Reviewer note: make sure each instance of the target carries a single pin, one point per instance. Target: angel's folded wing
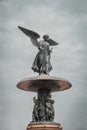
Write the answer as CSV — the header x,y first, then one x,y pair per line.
x,y
52,42
33,35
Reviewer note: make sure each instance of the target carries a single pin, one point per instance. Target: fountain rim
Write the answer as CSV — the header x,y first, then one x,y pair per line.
x,y
25,84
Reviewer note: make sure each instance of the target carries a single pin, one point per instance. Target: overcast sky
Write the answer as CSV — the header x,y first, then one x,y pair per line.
x,y
66,22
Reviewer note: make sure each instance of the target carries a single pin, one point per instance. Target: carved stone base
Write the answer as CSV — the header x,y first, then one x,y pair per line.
x,y
44,127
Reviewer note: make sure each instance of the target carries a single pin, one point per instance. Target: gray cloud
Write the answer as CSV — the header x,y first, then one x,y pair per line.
x,y
65,22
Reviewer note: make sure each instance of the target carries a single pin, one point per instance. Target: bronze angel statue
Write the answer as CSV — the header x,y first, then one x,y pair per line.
x,y
42,62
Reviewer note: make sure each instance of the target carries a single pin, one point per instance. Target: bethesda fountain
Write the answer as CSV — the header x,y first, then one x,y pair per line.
x,y
43,84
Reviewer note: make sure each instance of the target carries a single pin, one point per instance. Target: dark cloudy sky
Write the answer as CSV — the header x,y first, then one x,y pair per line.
x,y
66,22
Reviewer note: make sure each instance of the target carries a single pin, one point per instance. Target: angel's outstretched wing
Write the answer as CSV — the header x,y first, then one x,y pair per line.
x,y
33,35
52,42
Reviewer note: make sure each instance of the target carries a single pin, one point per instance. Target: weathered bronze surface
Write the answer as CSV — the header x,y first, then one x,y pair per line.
x,y
42,62
43,107
43,81
43,84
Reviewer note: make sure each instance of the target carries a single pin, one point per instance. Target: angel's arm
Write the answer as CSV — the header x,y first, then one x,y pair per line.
x,y
40,47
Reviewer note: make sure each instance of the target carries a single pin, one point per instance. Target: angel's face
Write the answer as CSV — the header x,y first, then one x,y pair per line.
x,y
45,37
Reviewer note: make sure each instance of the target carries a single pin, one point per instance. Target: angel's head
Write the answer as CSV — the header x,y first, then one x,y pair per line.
x,y
45,37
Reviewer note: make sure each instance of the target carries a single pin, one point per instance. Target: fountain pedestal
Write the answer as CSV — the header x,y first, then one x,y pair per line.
x,y
43,111
44,127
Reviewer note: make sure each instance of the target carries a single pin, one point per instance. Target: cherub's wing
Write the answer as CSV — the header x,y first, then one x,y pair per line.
x,y
52,42
31,34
